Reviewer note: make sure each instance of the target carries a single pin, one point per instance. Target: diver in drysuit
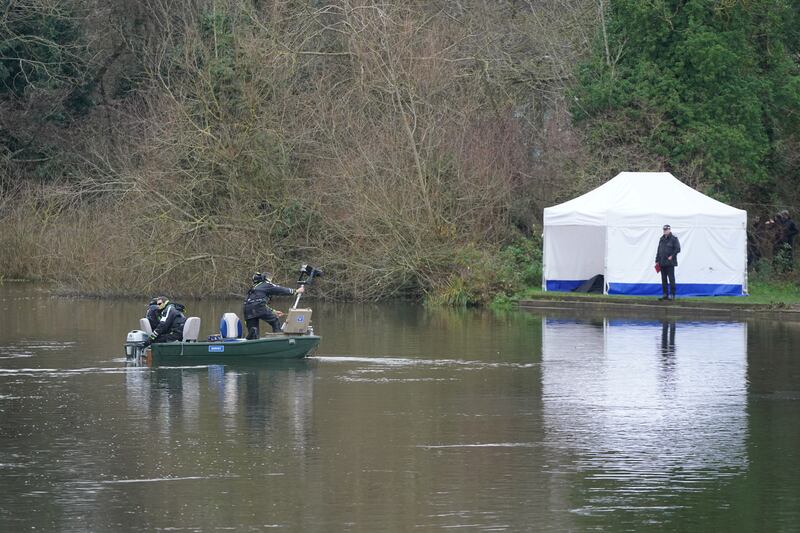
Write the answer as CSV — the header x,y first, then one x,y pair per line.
x,y
256,304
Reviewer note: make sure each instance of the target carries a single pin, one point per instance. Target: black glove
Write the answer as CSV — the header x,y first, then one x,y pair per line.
x,y
149,340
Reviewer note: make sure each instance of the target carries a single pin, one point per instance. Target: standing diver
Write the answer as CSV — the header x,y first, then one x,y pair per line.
x,y
256,304
170,322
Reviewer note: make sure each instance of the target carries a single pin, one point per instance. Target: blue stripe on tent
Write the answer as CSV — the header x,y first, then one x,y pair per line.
x,y
705,324
565,322
563,285
628,323
684,289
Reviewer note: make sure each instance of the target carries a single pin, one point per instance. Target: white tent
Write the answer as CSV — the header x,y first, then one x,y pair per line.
x,y
614,231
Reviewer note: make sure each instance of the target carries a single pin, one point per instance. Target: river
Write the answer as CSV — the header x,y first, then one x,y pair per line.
x,y
407,418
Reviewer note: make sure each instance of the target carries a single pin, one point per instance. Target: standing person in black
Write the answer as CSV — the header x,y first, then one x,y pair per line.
x,y
667,259
787,231
256,304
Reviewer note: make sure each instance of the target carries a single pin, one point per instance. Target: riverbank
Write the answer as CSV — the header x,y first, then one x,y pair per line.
x,y
767,300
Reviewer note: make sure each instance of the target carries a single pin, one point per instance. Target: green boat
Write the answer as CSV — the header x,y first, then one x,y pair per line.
x,y
297,340
277,346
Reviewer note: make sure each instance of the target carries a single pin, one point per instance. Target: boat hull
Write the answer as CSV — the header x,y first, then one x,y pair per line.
x,y
271,347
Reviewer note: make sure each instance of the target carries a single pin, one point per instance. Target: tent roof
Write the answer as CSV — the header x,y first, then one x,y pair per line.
x,y
644,199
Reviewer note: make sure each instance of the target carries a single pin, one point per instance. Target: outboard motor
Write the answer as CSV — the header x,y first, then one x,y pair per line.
x,y
134,344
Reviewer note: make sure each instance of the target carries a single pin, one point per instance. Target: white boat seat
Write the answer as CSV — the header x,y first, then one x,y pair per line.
x,y
144,325
191,329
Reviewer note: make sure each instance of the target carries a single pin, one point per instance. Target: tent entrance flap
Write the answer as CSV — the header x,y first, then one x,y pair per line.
x,y
593,285
573,255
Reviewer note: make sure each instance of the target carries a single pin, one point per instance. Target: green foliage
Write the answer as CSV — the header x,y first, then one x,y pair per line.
x,y
45,83
716,85
217,31
521,263
783,260
483,275
43,49
780,268
457,293
233,150
775,292
36,48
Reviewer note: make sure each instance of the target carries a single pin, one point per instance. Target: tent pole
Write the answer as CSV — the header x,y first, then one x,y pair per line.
x,y
544,257
745,288
605,263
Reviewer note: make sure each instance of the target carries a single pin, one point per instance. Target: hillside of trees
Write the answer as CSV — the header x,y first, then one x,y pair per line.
x,y
408,147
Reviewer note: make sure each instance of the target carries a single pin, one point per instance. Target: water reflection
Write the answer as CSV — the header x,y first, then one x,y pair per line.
x,y
640,408
409,418
257,400
668,339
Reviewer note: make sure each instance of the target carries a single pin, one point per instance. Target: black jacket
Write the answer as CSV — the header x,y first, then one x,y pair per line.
x,y
152,316
668,246
259,295
788,231
171,320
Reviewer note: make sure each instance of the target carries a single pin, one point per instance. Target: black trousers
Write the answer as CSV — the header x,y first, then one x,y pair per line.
x,y
169,336
668,274
269,317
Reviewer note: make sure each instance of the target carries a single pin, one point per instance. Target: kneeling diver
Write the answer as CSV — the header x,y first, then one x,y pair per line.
x,y
256,304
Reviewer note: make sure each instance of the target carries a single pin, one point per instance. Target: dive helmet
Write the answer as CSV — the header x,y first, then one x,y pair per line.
x,y
258,277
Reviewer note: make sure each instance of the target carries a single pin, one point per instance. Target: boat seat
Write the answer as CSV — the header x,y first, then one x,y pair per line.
x,y
230,326
144,325
191,329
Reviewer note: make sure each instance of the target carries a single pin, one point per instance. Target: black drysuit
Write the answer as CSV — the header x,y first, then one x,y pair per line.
x,y
256,306
170,324
152,316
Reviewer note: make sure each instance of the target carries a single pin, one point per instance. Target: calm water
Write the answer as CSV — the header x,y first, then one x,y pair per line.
x,y
407,419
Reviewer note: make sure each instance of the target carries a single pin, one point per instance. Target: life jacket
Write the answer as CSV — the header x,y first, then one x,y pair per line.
x,y
179,319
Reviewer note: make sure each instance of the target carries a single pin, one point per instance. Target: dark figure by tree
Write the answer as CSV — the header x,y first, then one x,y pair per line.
x,y
786,231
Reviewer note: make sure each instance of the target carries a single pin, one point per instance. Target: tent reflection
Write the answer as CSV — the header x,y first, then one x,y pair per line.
x,y
645,407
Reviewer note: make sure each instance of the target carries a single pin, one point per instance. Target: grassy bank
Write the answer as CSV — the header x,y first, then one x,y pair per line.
x,y
775,292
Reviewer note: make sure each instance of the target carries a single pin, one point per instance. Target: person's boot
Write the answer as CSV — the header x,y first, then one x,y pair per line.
x,y
673,295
